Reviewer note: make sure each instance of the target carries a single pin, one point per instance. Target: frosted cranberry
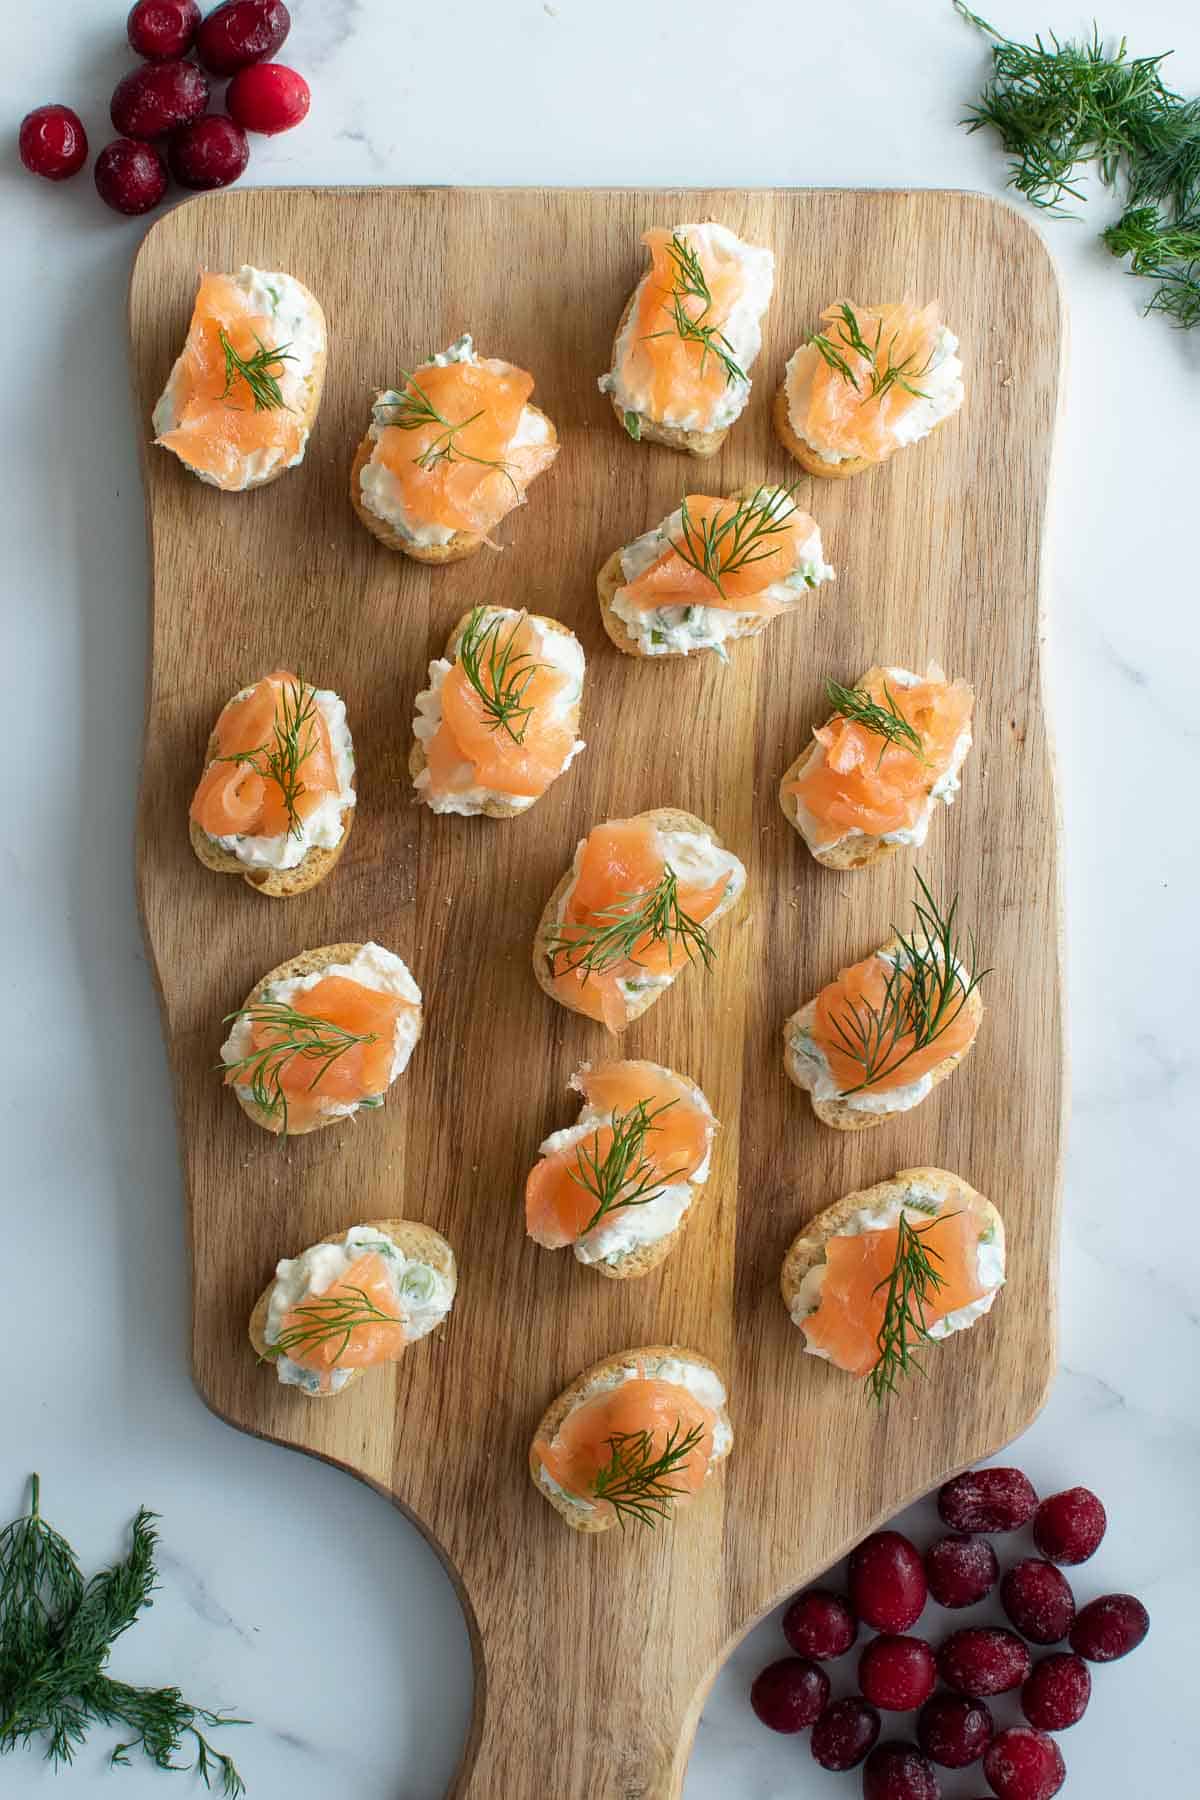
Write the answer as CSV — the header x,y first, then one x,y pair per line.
x,y
790,1694
1068,1527
987,1500
1037,1598
844,1733
887,1582
1057,1693
130,177
984,1660
1023,1764
209,153
155,98
52,142
899,1772
159,29
954,1731
268,98
819,1624
897,1674
241,32
960,1570
1110,1627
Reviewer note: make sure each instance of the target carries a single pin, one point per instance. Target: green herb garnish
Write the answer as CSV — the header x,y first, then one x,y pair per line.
x,y
910,1287
260,372
633,425
297,1035
886,721
718,547
635,1481
1058,105
883,372
615,933
690,284
925,992
499,673
280,761
325,1318
56,1634
622,1176
413,410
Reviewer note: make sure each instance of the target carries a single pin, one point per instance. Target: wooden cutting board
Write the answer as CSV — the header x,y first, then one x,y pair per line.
x,y
593,1656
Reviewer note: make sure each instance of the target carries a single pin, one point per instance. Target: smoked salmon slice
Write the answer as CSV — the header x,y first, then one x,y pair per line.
x,y
861,1052
634,913
640,1419
354,1323
860,779
728,554
662,1129
239,402
273,762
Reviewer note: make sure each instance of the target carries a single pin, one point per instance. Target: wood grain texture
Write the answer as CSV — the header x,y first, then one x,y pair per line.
x,y
593,1656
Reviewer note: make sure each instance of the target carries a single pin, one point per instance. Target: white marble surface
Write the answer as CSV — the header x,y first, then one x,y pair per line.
x,y
289,1591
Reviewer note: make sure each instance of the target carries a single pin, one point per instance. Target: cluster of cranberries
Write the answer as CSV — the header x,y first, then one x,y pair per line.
x,y
160,108
889,1582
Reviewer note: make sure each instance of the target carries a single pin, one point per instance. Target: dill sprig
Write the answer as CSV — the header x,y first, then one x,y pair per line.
x,y
690,284
56,1634
925,992
635,1481
295,1035
883,373
886,721
260,372
718,547
1058,105
498,671
911,1285
413,410
623,1176
635,921
281,760
326,1317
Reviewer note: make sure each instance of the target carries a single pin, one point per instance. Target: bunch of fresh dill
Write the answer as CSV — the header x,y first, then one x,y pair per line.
x,y
1058,106
56,1631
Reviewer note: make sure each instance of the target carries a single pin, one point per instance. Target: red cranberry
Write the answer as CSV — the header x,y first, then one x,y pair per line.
x,y
159,29
844,1733
1068,1527
1037,1598
156,97
899,1772
987,1500
1110,1627
130,177
887,1582
954,1731
984,1660
819,1624
241,32
1057,1693
1023,1764
52,142
268,98
961,1570
897,1674
790,1694
209,153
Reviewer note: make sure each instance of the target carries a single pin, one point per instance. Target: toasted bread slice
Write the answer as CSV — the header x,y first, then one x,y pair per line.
x,y
839,1113
313,388
805,455
309,962
700,444
667,818
462,544
499,807
808,1249
587,1519
277,884
420,1243
612,577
